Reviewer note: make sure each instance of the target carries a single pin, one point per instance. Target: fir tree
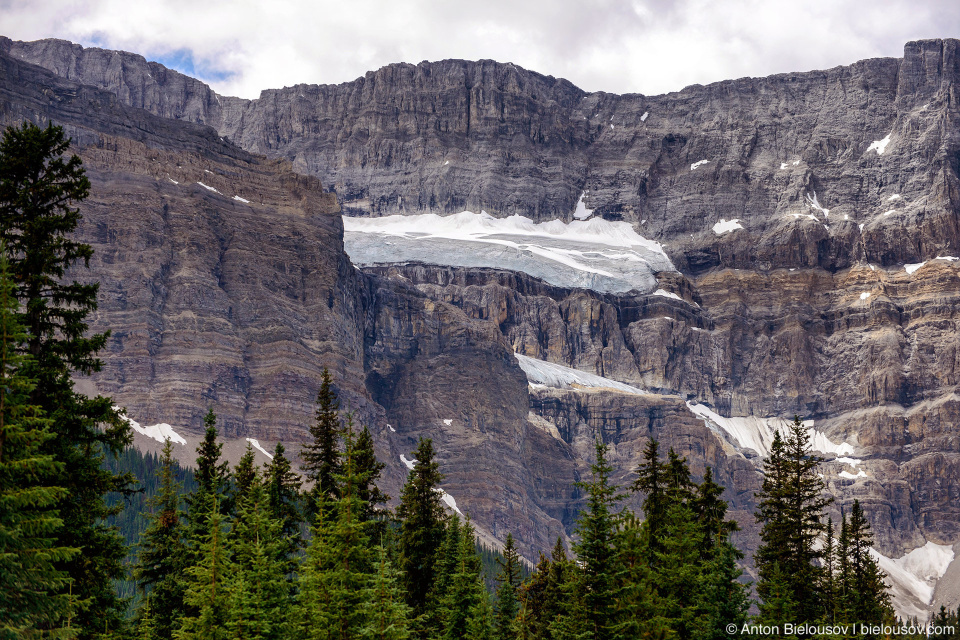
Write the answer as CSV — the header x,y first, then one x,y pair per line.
x,y
461,599
31,584
369,467
790,508
244,476
283,501
212,478
652,481
422,519
509,582
38,191
162,557
320,458
866,593
207,595
259,593
385,614
597,528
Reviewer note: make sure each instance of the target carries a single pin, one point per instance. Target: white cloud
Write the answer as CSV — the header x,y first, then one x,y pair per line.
x,y
645,46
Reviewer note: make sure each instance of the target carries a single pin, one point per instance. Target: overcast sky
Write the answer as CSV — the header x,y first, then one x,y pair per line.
x,y
642,46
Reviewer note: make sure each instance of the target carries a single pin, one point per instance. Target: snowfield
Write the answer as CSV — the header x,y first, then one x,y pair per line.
x,y
159,432
913,577
597,254
548,374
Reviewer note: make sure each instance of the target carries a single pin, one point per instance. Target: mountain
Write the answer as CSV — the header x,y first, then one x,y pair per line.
x,y
729,255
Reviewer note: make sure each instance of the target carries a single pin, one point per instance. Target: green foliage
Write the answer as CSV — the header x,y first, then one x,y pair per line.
x,y
207,597
31,584
422,527
284,502
213,478
385,613
509,581
320,458
38,191
790,508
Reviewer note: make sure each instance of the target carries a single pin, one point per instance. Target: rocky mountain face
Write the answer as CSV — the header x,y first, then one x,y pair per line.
x,y
812,219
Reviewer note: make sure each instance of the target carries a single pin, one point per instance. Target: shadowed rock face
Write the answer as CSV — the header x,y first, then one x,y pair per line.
x,y
837,179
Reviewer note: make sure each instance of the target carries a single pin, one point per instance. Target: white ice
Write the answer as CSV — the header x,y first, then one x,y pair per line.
x,y
643,118
448,422
783,165
206,186
890,212
548,374
910,268
796,162
392,430
879,145
409,463
895,196
861,227
667,294
850,476
914,576
725,226
243,200
813,203
947,258
596,253
159,432
256,445
582,213
853,462
757,433
450,502
864,295
698,163
173,181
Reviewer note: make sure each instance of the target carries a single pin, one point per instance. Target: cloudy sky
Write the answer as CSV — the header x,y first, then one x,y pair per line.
x,y
644,46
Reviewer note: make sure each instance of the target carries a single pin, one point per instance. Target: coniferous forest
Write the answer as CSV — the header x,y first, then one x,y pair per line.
x,y
99,541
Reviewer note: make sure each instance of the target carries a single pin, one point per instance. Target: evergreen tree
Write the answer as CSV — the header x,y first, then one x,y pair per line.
x,y
479,625
461,599
207,596
509,581
867,595
710,511
31,584
422,519
283,501
244,476
640,611
827,576
320,458
369,467
597,528
259,593
38,190
790,508
212,477
162,557
384,611
652,481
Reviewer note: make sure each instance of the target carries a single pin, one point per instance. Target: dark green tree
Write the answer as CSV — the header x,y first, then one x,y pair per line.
x,y
162,556
320,457
790,508
597,528
284,502
652,481
212,477
207,594
385,613
31,584
509,581
244,477
39,189
866,593
422,520
369,467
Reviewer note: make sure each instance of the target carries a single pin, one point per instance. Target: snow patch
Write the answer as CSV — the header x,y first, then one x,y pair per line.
x,y
889,213
850,476
598,254
853,462
410,463
243,200
783,165
173,181
910,268
813,203
879,145
864,295
449,501
861,227
725,226
256,445
446,163
448,422
913,577
643,118
796,162
895,196
548,374
698,163
392,430
582,213
206,186
947,258
667,294
159,432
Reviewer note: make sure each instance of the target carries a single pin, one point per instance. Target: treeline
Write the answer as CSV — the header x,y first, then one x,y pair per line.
x,y
247,553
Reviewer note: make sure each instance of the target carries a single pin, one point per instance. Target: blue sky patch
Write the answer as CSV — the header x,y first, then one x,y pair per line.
x,y
182,60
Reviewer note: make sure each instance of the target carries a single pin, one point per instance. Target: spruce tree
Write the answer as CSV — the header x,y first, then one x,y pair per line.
x,y
385,614
597,528
463,598
868,595
244,476
38,192
31,584
207,595
652,481
284,503
320,458
162,556
509,581
213,477
422,517
369,467
790,508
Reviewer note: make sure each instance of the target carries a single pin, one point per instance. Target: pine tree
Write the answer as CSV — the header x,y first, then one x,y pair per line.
x,y
207,595
320,458
422,519
38,190
509,582
790,507
162,557
597,528
384,611
31,584
259,593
